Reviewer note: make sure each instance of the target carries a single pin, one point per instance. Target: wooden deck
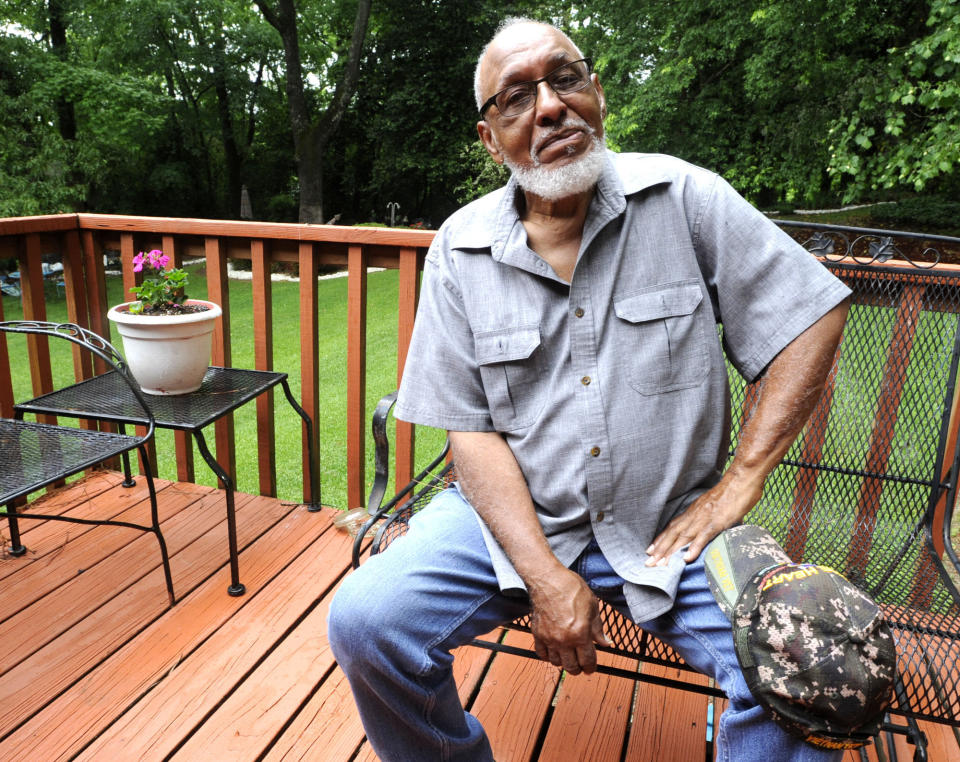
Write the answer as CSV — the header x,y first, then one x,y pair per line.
x,y
97,666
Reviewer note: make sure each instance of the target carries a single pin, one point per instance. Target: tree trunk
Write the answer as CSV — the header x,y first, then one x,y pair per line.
x,y
310,169
231,151
66,115
310,136
66,110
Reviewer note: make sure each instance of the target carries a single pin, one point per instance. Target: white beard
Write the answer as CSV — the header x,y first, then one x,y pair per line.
x,y
553,184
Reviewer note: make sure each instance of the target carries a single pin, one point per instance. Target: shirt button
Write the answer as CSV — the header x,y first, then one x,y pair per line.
x,y
585,380
600,516
594,451
578,312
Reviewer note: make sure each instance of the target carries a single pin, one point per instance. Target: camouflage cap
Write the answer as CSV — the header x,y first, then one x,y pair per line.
x,y
814,649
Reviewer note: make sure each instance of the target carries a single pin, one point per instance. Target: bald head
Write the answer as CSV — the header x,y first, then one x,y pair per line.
x,y
512,34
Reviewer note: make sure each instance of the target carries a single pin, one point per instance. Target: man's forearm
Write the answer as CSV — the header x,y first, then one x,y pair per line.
x,y
493,483
792,386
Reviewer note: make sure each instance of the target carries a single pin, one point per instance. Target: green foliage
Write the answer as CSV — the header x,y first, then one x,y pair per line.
x,y
33,175
168,107
482,173
905,129
749,90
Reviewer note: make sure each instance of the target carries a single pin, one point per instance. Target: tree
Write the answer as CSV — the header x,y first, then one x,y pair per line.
x,y
134,106
414,112
905,130
32,151
748,89
312,133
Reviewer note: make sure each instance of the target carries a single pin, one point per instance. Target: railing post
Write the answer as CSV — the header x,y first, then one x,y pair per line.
x,y
309,358
128,246
219,293
6,381
35,308
263,360
76,299
127,251
356,374
96,285
408,295
881,438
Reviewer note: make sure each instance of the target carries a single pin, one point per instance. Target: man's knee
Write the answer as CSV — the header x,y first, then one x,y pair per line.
x,y
349,622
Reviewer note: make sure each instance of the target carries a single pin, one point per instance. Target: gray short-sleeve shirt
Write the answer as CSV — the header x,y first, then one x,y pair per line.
x,y
611,390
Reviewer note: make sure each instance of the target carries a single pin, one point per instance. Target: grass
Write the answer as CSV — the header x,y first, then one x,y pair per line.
x,y
332,417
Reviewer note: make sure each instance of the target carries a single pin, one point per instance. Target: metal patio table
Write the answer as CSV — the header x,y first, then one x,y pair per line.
x,y
108,398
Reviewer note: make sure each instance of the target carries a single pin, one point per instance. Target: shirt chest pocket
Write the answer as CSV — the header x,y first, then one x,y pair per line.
x,y
664,337
511,364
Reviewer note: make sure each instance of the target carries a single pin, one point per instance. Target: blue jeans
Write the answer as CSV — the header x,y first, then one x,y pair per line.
x,y
395,620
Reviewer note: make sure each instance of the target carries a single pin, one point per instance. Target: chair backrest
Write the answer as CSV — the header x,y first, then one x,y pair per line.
x,y
82,337
860,488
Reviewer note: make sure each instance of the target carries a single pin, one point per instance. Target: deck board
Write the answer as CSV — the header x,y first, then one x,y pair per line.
x,y
591,715
96,666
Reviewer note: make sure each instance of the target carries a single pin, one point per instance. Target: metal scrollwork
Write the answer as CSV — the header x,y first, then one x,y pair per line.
x,y
868,247
78,334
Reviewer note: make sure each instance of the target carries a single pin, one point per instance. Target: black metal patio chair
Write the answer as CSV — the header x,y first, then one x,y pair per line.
x,y
36,455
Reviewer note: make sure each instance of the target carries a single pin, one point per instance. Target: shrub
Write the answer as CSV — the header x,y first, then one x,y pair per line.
x,y
920,213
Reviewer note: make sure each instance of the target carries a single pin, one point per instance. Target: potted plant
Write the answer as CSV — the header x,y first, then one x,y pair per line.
x,y
166,336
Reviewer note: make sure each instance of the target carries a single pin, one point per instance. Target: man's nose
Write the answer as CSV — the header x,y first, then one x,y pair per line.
x,y
550,106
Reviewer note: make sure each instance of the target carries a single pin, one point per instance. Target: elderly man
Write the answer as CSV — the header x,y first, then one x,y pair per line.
x,y
567,340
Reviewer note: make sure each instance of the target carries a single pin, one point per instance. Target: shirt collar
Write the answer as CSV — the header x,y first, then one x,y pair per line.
x,y
492,218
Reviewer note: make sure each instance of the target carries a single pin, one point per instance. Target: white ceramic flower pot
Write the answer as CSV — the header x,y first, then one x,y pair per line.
x,y
167,354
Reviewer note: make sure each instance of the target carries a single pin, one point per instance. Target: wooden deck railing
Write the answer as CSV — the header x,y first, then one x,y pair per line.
x,y
81,240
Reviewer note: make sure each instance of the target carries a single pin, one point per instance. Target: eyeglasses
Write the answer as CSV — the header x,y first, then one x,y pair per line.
x,y
566,79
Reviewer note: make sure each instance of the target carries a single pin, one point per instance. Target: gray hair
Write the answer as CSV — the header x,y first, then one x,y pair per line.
x,y
506,24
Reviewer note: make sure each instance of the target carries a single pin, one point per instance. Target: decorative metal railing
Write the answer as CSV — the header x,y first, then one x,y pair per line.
x,y
837,243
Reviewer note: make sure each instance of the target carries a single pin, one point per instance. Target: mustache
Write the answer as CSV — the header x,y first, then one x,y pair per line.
x,y
570,122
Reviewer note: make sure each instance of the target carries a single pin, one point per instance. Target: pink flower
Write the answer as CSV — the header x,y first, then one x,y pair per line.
x,y
138,262
158,259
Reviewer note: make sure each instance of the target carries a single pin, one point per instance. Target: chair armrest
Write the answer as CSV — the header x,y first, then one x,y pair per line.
x,y
381,452
376,508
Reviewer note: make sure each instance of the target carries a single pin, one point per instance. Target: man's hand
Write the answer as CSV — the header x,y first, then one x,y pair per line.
x,y
565,614
715,510
566,622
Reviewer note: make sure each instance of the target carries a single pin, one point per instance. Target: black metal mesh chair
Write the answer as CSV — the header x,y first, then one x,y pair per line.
x,y
36,455
868,488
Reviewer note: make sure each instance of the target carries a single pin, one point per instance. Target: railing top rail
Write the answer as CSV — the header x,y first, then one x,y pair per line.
x,y
46,223
220,228
863,245
241,229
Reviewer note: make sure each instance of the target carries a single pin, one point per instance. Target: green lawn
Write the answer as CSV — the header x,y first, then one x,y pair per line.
x,y
381,377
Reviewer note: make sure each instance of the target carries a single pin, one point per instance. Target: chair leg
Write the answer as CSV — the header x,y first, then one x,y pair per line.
x,y
915,736
16,547
314,476
155,525
128,480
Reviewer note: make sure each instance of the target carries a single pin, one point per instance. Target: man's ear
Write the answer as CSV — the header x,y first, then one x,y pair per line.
x,y
489,141
600,94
